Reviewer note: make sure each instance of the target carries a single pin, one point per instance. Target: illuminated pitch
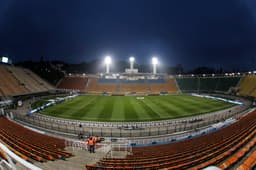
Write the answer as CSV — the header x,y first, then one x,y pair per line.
x,y
132,108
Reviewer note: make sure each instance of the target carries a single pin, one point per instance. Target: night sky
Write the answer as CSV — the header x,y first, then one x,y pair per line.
x,y
215,33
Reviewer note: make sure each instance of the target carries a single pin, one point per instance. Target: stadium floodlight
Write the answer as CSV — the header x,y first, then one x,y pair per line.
x,y
107,62
5,59
132,59
154,62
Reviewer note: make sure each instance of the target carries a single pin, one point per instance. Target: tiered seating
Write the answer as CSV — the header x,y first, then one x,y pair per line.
x,y
248,86
207,84
31,84
31,145
134,88
168,86
9,85
238,155
200,152
249,163
95,87
42,83
3,155
74,83
225,83
126,86
188,84
108,81
15,80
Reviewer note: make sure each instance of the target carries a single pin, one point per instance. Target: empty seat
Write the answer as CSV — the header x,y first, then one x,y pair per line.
x,y
73,83
197,152
30,144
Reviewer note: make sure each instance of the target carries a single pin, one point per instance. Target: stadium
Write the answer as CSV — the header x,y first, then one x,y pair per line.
x,y
145,120
127,85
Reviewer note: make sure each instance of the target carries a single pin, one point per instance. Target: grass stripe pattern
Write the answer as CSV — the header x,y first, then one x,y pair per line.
x,y
133,108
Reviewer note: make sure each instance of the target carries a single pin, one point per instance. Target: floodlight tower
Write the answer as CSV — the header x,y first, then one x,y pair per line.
x,y
154,62
107,62
131,62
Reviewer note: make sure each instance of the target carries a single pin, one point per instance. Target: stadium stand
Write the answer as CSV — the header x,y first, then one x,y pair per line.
x,y
74,83
248,86
2,155
138,86
249,163
134,88
207,84
195,153
225,83
238,155
169,86
27,80
95,87
9,85
188,84
31,145
41,82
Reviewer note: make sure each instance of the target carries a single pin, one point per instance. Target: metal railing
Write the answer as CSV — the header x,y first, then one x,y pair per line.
x,y
122,129
107,148
12,157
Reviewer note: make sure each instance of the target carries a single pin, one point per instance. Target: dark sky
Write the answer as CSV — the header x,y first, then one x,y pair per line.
x,y
216,33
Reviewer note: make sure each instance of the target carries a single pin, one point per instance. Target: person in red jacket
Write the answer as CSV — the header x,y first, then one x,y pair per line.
x,y
91,143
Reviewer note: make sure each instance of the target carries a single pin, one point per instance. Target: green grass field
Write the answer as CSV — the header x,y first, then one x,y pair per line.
x,y
129,108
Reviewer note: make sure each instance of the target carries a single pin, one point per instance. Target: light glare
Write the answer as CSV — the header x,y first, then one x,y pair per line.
x,y
4,59
108,60
154,61
131,59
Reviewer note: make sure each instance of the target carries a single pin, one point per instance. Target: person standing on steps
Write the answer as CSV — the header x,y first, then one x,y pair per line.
x,y
91,144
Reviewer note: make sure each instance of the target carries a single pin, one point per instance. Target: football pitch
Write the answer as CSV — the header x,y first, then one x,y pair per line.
x,y
134,108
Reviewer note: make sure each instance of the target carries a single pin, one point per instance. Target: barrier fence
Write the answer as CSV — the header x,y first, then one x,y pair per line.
x,y
107,148
131,130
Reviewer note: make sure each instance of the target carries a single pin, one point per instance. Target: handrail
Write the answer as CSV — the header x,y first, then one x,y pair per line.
x,y
18,159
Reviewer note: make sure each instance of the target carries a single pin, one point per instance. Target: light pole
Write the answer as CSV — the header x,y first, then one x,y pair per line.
x,y
131,62
154,62
107,62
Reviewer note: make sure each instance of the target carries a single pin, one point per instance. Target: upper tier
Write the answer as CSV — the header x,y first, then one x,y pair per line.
x,y
16,80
